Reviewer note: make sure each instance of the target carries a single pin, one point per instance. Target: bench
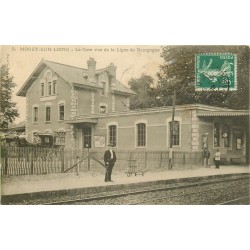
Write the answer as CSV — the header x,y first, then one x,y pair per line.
x,y
233,159
237,160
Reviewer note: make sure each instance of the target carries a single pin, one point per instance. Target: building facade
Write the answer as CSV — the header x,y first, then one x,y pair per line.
x,y
196,128
89,108
56,93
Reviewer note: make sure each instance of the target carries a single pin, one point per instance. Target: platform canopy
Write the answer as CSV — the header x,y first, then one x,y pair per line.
x,y
82,121
224,113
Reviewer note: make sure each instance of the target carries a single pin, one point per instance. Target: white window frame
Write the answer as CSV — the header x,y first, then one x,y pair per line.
x,y
103,91
42,90
103,104
49,86
62,130
136,133
33,113
50,106
117,138
54,90
60,103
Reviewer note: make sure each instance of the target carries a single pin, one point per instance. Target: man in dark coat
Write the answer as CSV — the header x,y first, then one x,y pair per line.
x,y
109,160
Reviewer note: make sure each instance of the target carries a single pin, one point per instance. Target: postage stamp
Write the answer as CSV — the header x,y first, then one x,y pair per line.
x,y
216,72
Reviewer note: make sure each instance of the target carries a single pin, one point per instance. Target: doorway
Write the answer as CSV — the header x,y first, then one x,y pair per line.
x,y
87,137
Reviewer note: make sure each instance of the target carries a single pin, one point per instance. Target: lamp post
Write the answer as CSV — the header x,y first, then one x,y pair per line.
x,y
87,146
205,149
172,133
1,117
1,113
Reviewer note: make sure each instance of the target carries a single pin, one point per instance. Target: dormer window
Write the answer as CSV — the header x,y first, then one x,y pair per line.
x,y
103,88
49,88
103,109
42,89
48,85
54,87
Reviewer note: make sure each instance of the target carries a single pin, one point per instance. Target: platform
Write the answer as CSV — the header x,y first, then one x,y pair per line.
x,y
12,185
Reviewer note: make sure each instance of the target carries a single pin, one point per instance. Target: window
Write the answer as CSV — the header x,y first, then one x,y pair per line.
x,y
60,138
112,135
49,88
176,133
47,140
35,114
54,87
42,89
61,112
103,90
226,134
87,137
103,109
238,135
216,134
47,119
141,135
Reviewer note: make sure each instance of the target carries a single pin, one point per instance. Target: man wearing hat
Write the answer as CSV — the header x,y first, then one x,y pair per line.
x,y
109,160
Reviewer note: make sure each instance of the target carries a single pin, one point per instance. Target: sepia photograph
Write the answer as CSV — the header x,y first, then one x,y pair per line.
x,y
107,104
125,125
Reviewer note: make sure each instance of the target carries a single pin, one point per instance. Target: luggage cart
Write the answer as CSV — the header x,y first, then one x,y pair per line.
x,y
133,169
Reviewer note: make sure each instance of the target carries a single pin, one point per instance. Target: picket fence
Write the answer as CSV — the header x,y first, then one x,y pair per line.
x,y
35,161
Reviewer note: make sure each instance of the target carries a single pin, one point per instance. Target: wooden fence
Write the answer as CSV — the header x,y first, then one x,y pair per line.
x,y
30,160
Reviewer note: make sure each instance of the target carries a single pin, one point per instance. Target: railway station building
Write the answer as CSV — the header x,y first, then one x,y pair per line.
x,y
89,108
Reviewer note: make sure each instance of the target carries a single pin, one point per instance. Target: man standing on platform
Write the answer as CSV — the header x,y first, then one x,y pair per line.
x,y
109,160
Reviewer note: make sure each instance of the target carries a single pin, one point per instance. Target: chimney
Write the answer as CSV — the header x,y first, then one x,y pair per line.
x,y
112,71
91,70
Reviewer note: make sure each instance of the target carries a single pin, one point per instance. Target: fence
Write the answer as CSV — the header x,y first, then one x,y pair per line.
x,y
30,160
151,160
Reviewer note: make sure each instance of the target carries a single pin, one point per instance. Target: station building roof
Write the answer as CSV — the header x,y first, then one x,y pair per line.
x,y
71,74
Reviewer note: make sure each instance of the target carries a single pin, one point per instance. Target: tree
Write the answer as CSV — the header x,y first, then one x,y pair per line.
x,y
146,93
178,71
8,107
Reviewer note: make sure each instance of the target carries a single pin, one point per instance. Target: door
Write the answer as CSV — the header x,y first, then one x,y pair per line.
x,y
87,137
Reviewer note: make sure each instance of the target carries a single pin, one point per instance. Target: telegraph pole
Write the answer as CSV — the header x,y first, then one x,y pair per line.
x,y
1,114
172,133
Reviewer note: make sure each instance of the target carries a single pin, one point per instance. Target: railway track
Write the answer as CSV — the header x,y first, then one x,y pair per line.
x,y
245,200
114,197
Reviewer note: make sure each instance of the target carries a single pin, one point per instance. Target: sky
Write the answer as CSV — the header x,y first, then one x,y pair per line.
x,y
131,62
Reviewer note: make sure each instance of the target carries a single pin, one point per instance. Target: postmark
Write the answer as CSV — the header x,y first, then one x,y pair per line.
x,y
216,72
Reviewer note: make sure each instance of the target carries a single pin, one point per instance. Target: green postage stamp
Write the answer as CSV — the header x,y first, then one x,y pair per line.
x,y
216,71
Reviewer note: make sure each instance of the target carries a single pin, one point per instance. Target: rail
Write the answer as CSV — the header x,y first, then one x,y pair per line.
x,y
76,164
139,191
93,158
79,161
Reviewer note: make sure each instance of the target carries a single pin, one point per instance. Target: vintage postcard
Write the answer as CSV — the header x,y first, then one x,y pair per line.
x,y
124,124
